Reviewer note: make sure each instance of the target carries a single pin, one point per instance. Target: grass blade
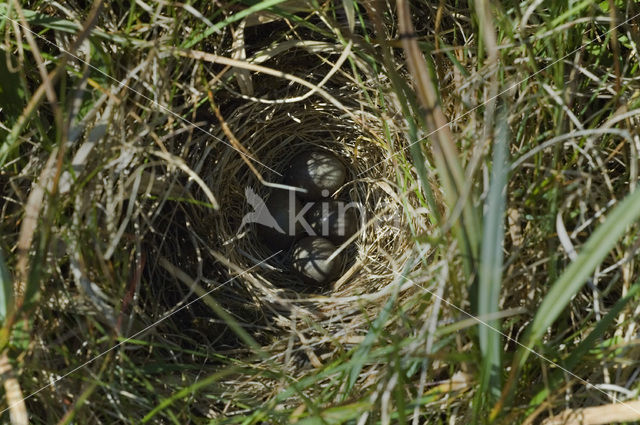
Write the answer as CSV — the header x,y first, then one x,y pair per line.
x,y
6,289
361,354
445,153
575,276
350,11
587,344
490,269
337,415
263,5
36,18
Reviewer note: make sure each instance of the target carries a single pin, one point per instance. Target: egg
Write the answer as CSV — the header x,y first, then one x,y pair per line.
x,y
310,260
334,220
320,173
281,208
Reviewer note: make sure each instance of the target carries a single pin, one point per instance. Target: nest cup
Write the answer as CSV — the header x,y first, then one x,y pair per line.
x,y
273,135
272,125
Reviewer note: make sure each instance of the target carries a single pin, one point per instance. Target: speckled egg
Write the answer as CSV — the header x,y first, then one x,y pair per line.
x,y
310,260
334,220
317,172
280,208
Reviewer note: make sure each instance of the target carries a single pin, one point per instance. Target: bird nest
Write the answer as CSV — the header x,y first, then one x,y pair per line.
x,y
252,142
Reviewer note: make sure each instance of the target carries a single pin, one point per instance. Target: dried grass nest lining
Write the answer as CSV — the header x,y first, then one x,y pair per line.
x,y
273,135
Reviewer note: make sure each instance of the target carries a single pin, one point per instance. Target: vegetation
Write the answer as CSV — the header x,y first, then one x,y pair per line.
x,y
493,144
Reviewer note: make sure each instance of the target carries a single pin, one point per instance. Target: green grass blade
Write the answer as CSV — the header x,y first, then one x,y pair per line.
x,y
407,103
11,91
47,21
187,391
6,289
608,320
490,270
423,174
587,344
337,415
63,25
233,18
361,354
574,277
